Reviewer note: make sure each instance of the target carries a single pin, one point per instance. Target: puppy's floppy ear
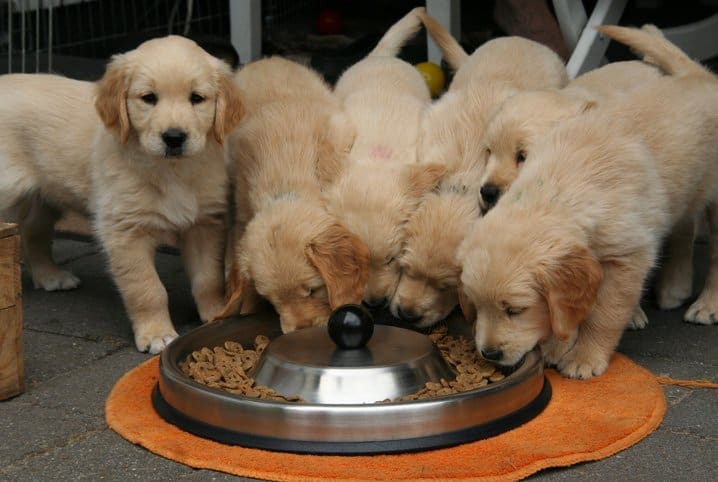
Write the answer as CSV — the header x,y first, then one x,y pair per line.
x,y
570,286
467,306
336,139
422,178
111,96
237,283
229,108
342,260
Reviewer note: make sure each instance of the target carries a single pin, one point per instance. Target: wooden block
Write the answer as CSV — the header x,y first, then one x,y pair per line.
x,y
11,352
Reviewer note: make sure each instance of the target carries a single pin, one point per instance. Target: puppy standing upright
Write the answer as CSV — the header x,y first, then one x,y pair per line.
x,y
451,132
561,260
381,182
154,172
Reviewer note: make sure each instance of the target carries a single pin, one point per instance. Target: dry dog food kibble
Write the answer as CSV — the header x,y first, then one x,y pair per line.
x,y
227,367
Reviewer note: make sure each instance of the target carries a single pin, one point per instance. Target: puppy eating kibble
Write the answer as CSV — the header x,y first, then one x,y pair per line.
x,y
562,259
287,246
154,172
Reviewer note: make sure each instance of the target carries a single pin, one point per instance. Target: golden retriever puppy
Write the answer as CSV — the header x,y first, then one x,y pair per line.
x,y
377,187
154,171
450,133
524,118
562,259
288,247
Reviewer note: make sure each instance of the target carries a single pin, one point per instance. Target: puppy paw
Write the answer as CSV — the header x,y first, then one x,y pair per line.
x,y
703,312
672,296
639,320
154,340
576,364
56,280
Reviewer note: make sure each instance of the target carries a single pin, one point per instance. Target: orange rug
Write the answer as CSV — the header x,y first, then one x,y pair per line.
x,y
585,420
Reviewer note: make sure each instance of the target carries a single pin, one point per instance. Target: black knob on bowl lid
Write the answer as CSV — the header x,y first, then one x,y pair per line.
x,y
350,326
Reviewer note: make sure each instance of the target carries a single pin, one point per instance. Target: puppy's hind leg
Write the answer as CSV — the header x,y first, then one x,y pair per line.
x,y
675,281
37,223
704,310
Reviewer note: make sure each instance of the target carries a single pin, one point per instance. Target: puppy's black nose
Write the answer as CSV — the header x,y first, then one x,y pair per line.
x,y
490,194
374,303
174,138
492,354
408,315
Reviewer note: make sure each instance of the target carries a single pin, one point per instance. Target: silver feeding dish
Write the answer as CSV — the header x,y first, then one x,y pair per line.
x,y
340,372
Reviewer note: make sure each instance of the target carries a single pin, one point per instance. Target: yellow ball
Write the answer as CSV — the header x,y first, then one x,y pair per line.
x,y
433,75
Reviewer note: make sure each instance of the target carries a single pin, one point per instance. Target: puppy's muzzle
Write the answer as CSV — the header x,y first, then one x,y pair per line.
x,y
375,303
492,354
174,140
490,194
408,315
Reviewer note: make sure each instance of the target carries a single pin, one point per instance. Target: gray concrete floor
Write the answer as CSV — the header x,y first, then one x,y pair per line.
x,y
79,343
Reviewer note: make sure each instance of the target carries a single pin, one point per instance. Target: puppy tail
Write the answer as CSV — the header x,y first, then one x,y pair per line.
x,y
454,53
397,35
657,50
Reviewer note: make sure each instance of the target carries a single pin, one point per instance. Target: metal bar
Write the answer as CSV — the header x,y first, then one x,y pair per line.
x,y
37,36
49,36
23,6
9,37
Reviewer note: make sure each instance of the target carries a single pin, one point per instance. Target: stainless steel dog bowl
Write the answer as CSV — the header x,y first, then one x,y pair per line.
x,y
340,386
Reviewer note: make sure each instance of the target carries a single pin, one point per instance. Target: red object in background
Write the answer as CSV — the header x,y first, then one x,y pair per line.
x,y
329,22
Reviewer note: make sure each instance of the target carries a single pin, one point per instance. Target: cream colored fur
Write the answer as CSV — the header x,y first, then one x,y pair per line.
x,y
380,184
450,136
56,154
288,247
562,259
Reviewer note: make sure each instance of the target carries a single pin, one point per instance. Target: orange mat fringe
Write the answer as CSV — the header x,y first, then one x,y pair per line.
x,y
686,383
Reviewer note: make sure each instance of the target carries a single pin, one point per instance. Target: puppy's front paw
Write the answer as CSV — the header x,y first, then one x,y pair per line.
x,y
154,340
579,364
55,280
704,311
639,320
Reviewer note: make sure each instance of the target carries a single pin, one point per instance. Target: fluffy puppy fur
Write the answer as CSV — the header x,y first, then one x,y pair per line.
x,y
289,248
379,185
561,260
499,68
154,171
449,136
523,119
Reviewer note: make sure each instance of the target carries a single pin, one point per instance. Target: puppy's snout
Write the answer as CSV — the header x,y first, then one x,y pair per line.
x,y
490,194
492,354
408,315
174,138
374,303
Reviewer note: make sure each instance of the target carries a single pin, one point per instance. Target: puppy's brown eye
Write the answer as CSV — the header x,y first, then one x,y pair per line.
x,y
513,311
390,260
195,98
150,98
520,157
488,152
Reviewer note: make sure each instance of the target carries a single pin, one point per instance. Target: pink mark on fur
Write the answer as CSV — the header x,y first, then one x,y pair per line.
x,y
380,152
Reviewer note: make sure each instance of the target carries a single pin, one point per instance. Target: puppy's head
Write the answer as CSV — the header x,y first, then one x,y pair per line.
x,y
375,203
301,260
427,289
170,96
520,122
523,282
